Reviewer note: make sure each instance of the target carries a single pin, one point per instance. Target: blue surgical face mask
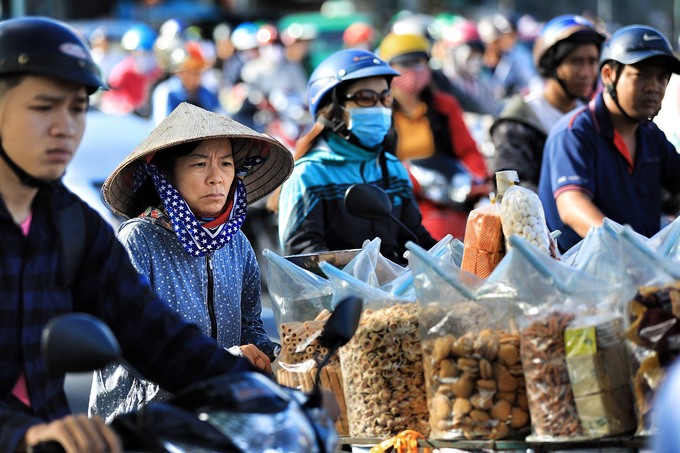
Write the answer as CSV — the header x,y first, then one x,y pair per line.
x,y
370,124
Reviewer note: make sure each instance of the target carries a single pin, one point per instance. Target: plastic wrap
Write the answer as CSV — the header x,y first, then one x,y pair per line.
x,y
522,215
484,241
301,302
474,378
382,364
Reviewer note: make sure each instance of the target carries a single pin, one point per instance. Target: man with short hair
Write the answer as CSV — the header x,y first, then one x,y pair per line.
x,y
609,159
46,76
566,54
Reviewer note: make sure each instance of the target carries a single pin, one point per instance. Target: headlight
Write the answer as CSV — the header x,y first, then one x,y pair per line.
x,y
288,431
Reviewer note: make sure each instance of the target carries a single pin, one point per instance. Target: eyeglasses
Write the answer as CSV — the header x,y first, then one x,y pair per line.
x,y
369,98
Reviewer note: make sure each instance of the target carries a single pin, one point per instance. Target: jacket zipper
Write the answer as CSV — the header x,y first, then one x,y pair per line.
x,y
211,298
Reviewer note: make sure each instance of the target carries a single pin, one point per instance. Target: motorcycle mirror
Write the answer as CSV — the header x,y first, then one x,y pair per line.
x,y
368,202
371,202
78,342
342,323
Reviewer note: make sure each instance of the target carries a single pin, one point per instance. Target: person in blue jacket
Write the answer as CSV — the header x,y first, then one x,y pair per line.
x,y
185,190
57,255
349,95
609,159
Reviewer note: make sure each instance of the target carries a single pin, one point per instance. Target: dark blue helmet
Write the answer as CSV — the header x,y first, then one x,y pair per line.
x,y
44,46
636,43
343,65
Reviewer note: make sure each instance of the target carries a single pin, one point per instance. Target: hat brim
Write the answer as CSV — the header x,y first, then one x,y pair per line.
x,y
188,123
642,55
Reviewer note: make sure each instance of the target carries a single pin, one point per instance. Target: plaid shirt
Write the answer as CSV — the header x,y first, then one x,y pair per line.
x,y
153,339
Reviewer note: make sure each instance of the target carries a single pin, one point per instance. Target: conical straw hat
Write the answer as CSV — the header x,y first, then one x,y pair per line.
x,y
189,123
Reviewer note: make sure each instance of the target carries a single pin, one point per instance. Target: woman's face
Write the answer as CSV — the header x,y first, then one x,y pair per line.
x,y
203,177
364,92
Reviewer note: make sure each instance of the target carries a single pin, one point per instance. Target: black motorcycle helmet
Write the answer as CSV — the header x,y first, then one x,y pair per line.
x,y
633,44
44,46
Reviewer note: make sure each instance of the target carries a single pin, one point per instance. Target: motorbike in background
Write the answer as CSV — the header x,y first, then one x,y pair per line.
x,y
234,413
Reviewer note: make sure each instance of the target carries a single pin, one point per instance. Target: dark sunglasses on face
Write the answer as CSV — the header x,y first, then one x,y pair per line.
x,y
369,98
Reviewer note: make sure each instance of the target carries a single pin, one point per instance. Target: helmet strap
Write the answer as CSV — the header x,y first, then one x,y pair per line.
x,y
23,176
565,89
611,91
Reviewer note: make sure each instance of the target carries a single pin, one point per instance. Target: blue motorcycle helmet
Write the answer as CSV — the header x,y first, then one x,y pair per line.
x,y
139,37
635,43
558,37
343,66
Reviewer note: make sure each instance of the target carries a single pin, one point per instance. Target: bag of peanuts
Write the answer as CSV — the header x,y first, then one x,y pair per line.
x,y
301,302
474,378
382,364
652,322
550,296
484,241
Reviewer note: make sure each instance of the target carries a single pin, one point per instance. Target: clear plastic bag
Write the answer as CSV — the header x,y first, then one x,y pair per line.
x,y
551,296
484,241
652,321
371,267
382,364
470,353
301,301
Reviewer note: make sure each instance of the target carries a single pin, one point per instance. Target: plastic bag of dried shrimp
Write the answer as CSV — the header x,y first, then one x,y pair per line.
x,y
382,364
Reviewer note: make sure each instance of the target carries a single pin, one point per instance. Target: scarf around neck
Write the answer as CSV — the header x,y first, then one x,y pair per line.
x,y
195,236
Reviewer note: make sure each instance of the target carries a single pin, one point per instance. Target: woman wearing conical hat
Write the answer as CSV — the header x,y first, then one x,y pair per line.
x,y
185,191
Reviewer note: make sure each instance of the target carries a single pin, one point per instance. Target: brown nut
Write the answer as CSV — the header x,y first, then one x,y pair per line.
x,y
462,388
485,369
482,401
487,384
441,406
470,366
462,347
507,383
522,402
479,416
501,410
448,368
507,396
519,418
461,407
442,346
508,354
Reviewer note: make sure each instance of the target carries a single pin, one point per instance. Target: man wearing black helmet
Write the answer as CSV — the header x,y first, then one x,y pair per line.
x,y
57,255
566,54
609,159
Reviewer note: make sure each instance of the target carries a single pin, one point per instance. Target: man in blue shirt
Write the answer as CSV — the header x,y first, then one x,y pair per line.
x,y
608,159
46,76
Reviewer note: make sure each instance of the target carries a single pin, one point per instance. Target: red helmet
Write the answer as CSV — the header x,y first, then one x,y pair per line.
x,y
463,32
357,33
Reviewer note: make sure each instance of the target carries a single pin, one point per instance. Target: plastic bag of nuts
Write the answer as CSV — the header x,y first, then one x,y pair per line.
x,y
475,381
382,369
551,400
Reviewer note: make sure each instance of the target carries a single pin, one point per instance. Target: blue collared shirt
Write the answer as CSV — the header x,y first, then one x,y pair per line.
x,y
584,152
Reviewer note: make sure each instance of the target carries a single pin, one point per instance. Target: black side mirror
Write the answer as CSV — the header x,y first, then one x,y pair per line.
x,y
78,342
368,202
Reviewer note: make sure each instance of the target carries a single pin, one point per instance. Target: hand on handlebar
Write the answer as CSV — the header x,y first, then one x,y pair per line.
x,y
76,434
258,358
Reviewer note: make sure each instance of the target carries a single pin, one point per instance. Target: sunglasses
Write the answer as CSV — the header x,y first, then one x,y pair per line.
x,y
369,98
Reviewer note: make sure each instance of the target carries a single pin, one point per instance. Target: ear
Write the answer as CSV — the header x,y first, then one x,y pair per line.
x,y
607,74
